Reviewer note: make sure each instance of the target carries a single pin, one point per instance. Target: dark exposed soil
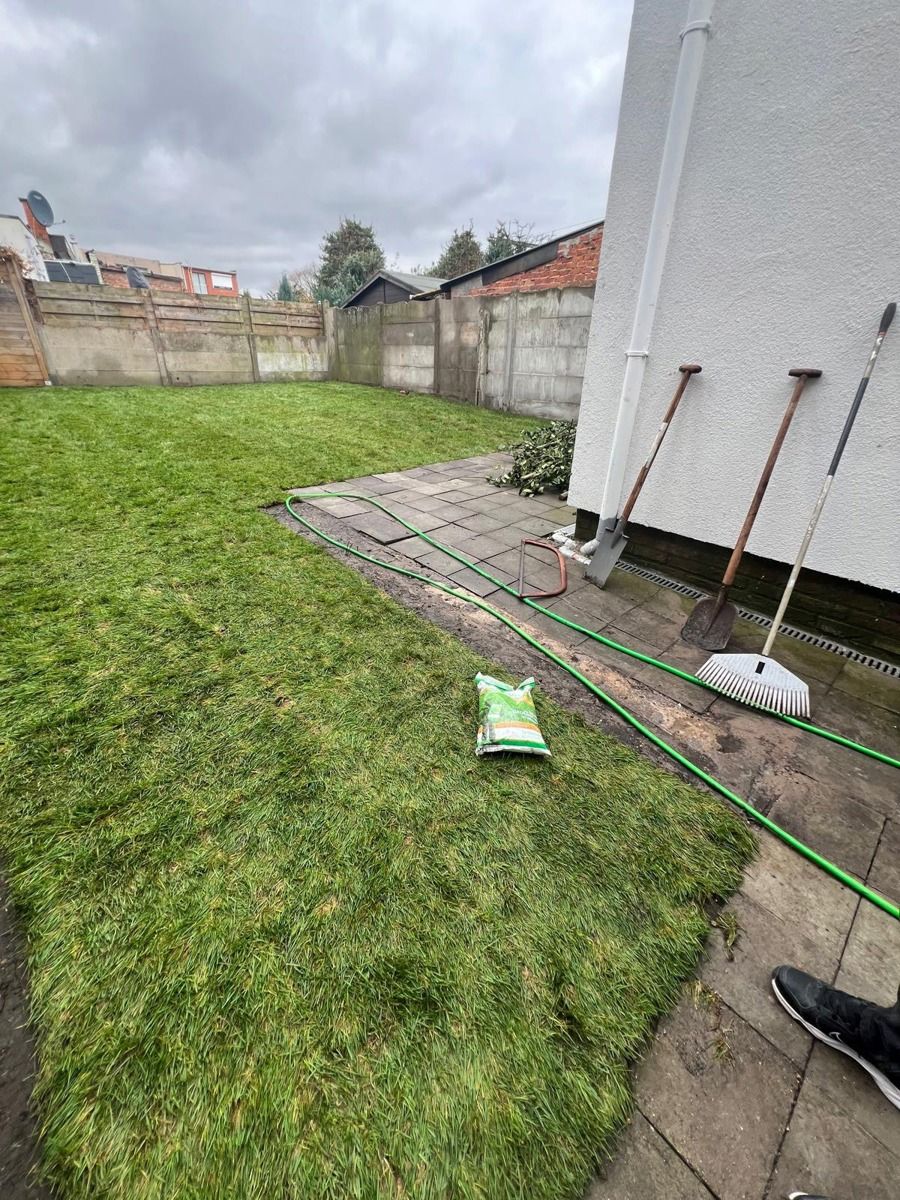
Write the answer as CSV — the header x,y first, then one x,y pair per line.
x,y
18,1137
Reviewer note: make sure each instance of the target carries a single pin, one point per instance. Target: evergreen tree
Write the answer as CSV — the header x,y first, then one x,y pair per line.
x,y
285,291
462,253
350,253
509,237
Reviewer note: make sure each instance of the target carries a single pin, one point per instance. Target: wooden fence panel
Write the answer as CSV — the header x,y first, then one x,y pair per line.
x,y
21,358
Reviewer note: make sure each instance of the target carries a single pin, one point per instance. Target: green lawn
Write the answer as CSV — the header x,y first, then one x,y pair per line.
x,y
288,937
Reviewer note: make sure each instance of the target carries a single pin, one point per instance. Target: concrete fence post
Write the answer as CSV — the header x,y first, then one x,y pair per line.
x,y
436,335
153,326
251,337
512,316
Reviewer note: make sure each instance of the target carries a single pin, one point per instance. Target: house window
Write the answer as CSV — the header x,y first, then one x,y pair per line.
x,y
199,278
220,280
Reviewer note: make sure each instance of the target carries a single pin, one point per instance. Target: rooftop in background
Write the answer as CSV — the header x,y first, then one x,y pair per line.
x,y
388,287
567,260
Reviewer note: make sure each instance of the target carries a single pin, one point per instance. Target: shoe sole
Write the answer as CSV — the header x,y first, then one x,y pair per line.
x,y
888,1089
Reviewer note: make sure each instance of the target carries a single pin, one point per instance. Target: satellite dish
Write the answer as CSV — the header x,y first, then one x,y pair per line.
x,y
136,277
40,206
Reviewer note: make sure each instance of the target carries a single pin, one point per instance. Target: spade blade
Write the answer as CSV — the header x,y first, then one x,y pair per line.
x,y
609,550
710,624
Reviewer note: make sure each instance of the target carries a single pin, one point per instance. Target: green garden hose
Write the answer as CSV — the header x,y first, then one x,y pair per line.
x,y
807,852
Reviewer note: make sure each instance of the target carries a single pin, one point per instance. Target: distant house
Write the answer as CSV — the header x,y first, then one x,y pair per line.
x,y
203,281
570,260
16,234
66,262
388,287
162,276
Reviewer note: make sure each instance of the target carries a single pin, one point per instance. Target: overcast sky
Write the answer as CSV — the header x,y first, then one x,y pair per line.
x,y
228,134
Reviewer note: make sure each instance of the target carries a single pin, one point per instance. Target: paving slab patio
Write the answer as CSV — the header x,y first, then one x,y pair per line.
x,y
733,1100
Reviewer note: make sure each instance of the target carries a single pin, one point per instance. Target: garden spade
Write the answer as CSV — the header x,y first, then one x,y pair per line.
x,y
711,622
611,541
755,678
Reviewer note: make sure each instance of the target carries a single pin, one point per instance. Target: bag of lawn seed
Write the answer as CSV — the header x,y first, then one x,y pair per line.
x,y
506,718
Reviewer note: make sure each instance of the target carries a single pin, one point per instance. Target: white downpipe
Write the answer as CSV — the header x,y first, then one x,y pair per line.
x,y
693,44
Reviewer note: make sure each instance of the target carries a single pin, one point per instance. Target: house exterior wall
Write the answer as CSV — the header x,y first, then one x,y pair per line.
x,y
15,233
783,252
575,265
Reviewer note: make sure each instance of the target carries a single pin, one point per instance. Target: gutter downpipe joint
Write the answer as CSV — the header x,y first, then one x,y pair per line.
x,y
693,44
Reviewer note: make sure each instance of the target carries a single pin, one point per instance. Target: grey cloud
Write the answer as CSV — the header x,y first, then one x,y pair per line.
x,y
233,134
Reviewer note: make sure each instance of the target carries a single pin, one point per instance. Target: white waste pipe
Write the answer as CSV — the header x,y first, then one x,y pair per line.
x,y
693,44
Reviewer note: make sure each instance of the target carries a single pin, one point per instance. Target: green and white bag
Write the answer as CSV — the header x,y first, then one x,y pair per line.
x,y
506,718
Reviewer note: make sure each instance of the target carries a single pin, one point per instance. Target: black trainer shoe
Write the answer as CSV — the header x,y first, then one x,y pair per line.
x,y
867,1033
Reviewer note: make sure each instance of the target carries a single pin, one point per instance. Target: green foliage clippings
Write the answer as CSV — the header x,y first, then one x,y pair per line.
x,y
543,459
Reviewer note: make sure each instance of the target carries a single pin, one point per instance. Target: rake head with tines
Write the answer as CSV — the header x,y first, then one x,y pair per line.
x,y
757,680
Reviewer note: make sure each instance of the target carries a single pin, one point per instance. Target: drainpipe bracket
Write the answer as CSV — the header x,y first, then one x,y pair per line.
x,y
695,27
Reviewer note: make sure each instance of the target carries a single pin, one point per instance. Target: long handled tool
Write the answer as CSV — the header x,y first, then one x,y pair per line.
x,y
612,540
711,622
755,678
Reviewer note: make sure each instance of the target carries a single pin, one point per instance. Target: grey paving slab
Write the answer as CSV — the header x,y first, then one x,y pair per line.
x,y
341,508
720,1094
475,491
862,682
827,817
535,526
742,975
614,658
826,1152
379,527
479,522
677,655
645,1167
870,966
419,497
426,521
868,723
370,484
851,1090
436,560
501,498
796,891
429,502
454,535
864,778
541,573
598,607
483,545
473,582
551,629
651,627
885,872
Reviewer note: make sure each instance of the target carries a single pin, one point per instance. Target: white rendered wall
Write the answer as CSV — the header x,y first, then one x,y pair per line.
x,y
784,250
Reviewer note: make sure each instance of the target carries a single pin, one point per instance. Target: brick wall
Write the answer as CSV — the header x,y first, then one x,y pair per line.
x,y
116,277
575,265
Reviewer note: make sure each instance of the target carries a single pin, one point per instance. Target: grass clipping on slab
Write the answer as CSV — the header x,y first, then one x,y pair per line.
x,y
288,936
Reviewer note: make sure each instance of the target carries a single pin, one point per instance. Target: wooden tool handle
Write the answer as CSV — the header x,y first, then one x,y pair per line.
x,y
687,370
801,374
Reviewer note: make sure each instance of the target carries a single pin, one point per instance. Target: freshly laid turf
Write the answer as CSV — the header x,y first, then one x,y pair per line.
x,y
288,936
